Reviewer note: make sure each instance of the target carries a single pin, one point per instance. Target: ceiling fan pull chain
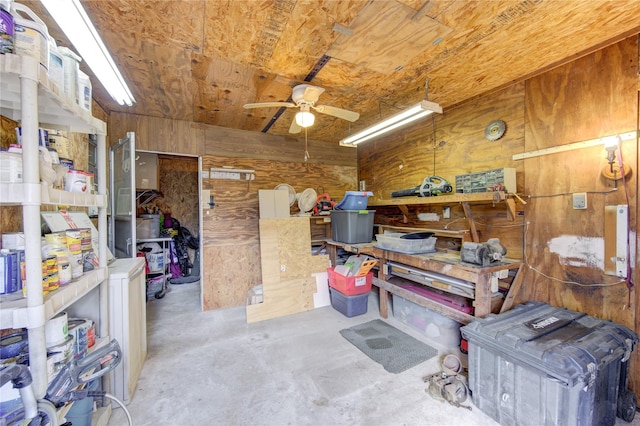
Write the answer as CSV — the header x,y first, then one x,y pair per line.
x,y
306,149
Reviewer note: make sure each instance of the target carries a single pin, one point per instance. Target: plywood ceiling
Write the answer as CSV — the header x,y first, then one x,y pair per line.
x,y
201,60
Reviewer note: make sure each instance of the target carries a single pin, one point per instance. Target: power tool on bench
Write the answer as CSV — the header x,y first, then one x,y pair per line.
x,y
483,253
431,185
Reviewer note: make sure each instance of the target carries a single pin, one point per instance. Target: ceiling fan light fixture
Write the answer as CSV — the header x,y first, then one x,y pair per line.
x,y
305,119
413,113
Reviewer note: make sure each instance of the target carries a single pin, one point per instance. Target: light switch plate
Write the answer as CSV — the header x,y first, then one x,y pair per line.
x,y
446,212
580,200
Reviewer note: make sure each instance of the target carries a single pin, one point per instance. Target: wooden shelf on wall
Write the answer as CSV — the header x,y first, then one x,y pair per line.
x,y
478,198
466,200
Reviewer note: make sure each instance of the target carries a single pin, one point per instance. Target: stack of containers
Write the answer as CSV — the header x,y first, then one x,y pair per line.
x,y
74,244
350,290
351,222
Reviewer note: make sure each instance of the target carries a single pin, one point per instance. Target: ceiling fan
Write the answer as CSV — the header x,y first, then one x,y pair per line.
x,y
305,96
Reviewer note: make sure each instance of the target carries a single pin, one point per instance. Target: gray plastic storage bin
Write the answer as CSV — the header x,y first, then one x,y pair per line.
x,y
540,365
349,306
352,226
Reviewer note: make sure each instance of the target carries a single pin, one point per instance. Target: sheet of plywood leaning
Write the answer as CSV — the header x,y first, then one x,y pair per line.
x,y
288,268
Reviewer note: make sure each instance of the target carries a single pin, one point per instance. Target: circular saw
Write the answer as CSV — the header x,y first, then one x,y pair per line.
x,y
495,130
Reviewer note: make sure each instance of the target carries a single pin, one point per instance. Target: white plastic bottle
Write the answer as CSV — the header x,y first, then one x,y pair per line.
x,y
31,35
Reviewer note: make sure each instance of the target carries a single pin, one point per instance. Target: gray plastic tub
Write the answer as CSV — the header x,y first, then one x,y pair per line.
x,y
539,365
352,226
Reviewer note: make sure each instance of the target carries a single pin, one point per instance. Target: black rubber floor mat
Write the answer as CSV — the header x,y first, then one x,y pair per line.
x,y
395,350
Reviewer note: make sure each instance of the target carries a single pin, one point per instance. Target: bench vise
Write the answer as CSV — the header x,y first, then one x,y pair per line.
x,y
483,253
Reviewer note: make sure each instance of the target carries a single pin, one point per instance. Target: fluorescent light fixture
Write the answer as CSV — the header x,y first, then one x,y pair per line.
x,y
73,20
420,110
305,119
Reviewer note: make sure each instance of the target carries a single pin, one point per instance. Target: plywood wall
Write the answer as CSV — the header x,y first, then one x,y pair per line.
x,y
403,159
563,248
157,134
568,246
178,183
10,216
231,231
231,252
593,97
571,104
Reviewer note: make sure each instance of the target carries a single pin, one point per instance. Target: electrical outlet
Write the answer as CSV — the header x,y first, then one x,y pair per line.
x,y
580,201
446,212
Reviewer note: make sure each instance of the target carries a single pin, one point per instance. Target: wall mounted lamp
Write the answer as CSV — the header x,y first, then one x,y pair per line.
x,y
74,22
611,145
614,171
413,113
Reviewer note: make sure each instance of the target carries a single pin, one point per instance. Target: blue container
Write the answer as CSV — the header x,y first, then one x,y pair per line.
x,y
349,306
80,412
354,200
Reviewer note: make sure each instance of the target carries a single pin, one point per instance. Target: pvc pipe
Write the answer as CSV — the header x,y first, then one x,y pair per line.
x,y
31,225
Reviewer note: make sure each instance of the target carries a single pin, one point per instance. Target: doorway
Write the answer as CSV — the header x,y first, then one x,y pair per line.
x,y
168,185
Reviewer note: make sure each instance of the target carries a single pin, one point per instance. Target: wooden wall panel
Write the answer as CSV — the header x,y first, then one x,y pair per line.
x,y
229,272
593,97
233,223
178,178
572,104
10,216
244,144
230,230
157,134
403,159
287,269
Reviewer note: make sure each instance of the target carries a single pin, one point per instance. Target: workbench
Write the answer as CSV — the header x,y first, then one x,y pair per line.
x,y
445,263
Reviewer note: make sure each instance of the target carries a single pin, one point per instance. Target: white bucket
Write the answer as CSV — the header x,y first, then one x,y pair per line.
x,y
56,67
13,240
155,261
10,167
75,181
71,68
56,330
31,35
84,91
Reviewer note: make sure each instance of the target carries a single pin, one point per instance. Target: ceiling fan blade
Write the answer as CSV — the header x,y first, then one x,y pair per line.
x,y
294,127
269,105
312,93
306,93
338,112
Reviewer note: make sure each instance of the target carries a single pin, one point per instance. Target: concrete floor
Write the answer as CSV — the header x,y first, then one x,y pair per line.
x,y
212,368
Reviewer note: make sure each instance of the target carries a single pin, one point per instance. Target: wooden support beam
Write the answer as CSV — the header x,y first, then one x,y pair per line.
x,y
514,288
405,213
511,209
472,225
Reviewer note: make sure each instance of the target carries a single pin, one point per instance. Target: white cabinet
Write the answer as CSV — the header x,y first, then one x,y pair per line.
x,y
128,323
26,96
